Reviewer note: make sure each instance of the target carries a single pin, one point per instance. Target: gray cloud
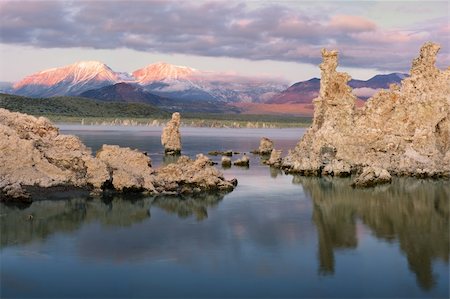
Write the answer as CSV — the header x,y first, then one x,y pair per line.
x,y
228,29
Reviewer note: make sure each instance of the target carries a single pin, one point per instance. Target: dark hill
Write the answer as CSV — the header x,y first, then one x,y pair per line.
x,y
77,106
124,92
132,93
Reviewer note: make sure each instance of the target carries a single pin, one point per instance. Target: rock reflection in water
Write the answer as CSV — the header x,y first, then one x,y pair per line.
x,y
415,213
185,207
21,224
275,171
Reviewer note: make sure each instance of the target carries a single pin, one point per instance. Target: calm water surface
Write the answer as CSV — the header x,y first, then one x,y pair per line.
x,y
276,235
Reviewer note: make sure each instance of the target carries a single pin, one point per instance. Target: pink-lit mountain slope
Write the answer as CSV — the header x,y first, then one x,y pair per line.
x,y
68,80
162,71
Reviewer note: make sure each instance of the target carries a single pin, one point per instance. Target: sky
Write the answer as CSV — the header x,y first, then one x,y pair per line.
x,y
279,39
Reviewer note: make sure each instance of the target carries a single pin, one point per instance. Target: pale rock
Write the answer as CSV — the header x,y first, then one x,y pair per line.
x,y
13,191
170,138
265,147
34,155
372,176
191,176
275,159
405,130
226,161
243,161
129,169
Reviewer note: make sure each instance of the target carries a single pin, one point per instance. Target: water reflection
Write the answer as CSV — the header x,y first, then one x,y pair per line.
x,y
21,224
253,237
414,213
185,207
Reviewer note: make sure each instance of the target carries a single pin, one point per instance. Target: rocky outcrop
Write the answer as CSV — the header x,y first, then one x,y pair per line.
x,y
265,147
129,169
243,161
33,155
171,138
404,130
226,161
275,159
228,153
191,176
372,176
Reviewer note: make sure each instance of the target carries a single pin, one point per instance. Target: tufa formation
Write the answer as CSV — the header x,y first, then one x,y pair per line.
x,y
34,156
404,130
171,138
265,147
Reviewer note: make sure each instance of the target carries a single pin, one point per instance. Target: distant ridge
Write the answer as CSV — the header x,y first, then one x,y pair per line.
x,y
305,91
124,92
134,93
78,107
173,87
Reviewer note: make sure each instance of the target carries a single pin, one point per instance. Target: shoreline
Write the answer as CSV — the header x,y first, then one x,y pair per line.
x,y
197,121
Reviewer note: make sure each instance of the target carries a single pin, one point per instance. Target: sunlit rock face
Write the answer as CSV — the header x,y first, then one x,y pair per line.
x,y
404,130
33,155
129,169
275,159
265,147
191,176
171,138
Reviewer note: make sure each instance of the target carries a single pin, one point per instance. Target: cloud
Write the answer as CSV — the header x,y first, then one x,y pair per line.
x,y
217,29
348,23
364,92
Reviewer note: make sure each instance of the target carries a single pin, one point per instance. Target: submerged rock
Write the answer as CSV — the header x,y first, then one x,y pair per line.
x,y
243,161
404,130
226,161
228,153
372,176
171,138
33,155
14,192
265,147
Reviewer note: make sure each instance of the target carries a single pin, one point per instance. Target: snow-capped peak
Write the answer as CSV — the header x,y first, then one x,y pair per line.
x,y
162,71
76,73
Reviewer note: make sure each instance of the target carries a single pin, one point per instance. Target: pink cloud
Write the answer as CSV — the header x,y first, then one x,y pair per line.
x,y
351,23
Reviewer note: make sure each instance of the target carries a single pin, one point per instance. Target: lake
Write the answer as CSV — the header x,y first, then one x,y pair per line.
x,y
274,236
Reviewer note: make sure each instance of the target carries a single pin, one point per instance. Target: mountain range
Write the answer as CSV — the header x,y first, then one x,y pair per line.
x,y
182,88
304,91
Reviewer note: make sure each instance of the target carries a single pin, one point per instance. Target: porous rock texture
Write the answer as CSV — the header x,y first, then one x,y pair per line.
x,y
170,137
225,161
275,159
129,169
191,176
243,161
34,155
265,147
404,130
371,176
